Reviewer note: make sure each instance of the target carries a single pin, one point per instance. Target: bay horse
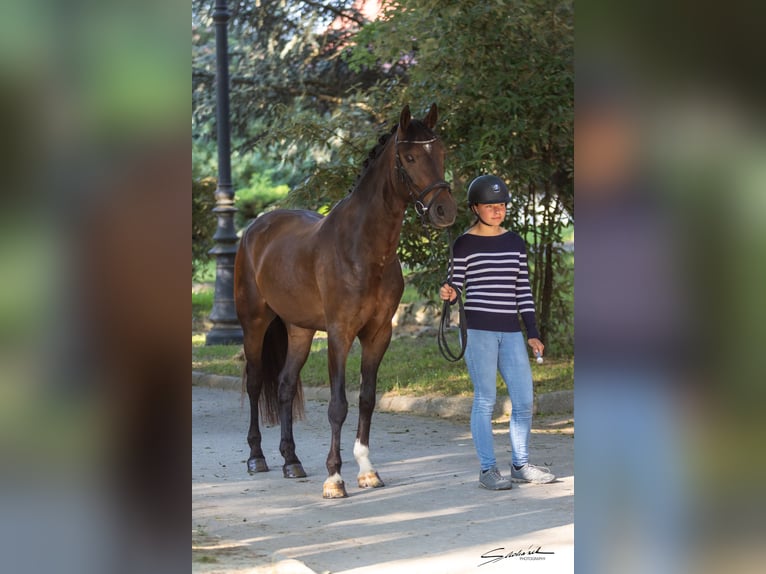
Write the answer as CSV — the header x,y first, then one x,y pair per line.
x,y
297,272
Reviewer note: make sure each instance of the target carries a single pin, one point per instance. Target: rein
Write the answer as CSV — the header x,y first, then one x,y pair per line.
x,y
417,197
444,349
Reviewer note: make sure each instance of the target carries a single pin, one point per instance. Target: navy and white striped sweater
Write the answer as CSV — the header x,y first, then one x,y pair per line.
x,y
496,279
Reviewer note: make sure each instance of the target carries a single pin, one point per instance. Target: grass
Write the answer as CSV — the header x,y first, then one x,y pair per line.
x,y
202,302
410,294
411,366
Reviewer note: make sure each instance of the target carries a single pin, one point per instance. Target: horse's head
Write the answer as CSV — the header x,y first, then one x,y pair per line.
x,y
420,163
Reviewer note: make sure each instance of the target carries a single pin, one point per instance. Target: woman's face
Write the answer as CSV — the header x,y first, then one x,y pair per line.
x,y
491,213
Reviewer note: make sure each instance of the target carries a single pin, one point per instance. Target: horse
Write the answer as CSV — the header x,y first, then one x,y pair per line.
x,y
297,272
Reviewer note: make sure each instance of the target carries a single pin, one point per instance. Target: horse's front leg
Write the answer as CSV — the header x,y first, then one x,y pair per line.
x,y
338,346
374,346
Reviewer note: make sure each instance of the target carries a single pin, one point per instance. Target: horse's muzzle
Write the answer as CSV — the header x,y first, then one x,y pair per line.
x,y
442,210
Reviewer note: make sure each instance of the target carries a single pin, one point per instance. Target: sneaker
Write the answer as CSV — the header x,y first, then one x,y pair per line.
x,y
532,473
493,480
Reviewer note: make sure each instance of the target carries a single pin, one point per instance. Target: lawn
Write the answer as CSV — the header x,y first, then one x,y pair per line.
x,y
412,366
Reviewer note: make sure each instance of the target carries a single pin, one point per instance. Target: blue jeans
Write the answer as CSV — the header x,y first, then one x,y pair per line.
x,y
629,416
485,354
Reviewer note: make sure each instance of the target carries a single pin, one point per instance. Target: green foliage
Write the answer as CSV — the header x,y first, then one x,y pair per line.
x,y
560,329
502,74
253,177
284,58
204,271
258,196
410,294
202,303
313,98
203,221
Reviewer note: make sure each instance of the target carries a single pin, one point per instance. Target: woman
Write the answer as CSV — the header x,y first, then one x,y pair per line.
x,y
490,265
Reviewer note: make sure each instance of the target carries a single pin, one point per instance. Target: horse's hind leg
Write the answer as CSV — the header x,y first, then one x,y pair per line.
x,y
256,462
299,346
253,344
374,345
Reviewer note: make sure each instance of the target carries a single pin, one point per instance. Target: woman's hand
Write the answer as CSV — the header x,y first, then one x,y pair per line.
x,y
537,346
447,293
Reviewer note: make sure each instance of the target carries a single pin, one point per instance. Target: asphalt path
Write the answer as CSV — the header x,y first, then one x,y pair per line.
x,y
431,517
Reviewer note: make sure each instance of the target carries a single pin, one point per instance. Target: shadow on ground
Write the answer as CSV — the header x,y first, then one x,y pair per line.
x,y
430,516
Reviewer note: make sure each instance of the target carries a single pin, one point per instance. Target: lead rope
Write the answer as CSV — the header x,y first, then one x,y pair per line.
x,y
444,349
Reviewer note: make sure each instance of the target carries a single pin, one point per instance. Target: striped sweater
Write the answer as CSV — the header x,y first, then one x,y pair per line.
x,y
494,272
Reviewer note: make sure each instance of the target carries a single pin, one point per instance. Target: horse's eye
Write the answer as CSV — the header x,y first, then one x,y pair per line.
x,y
409,158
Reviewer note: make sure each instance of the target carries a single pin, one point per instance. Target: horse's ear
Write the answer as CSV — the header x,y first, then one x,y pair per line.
x,y
404,121
430,119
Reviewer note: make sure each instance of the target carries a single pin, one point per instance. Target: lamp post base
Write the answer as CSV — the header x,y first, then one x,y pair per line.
x,y
224,335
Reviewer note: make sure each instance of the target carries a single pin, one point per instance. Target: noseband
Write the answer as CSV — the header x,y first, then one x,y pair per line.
x,y
418,196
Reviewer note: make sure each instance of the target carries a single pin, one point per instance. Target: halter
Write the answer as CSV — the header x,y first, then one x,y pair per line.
x,y
417,197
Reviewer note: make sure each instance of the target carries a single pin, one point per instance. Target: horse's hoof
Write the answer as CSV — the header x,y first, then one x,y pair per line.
x,y
334,490
294,470
256,465
369,480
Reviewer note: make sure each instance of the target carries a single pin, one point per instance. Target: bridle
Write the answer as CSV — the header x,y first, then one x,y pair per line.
x,y
422,210
418,197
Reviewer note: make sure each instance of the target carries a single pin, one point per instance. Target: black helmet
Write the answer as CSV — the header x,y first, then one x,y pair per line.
x,y
488,189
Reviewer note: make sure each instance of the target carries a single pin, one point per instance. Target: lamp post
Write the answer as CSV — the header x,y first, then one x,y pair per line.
x,y
226,329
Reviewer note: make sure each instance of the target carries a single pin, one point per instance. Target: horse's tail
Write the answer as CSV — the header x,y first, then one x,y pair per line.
x,y
273,358
244,384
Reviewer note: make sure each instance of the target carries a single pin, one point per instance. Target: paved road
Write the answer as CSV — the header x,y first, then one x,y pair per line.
x,y
431,517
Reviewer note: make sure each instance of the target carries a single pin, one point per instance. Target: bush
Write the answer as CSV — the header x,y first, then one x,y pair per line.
x,y
203,222
260,194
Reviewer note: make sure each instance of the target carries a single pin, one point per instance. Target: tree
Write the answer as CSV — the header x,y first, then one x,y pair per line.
x,y
502,73
284,57
317,82
285,75
294,99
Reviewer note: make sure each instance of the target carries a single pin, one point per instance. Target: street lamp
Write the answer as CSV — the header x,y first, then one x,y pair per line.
x,y
226,329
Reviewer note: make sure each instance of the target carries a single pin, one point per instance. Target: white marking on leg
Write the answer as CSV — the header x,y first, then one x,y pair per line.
x,y
362,456
335,478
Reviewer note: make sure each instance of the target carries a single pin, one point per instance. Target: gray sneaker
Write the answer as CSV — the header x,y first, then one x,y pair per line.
x,y
493,480
532,473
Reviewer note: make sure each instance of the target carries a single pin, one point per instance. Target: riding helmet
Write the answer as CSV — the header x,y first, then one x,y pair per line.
x,y
488,189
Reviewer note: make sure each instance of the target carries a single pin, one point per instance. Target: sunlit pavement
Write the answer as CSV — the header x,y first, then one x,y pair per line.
x,y
430,517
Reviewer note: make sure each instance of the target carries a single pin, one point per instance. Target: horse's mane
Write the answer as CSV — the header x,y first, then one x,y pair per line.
x,y
376,151
373,155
